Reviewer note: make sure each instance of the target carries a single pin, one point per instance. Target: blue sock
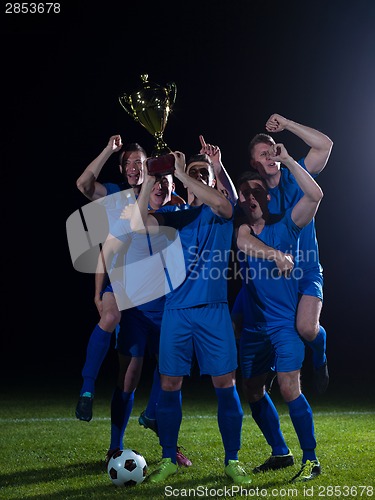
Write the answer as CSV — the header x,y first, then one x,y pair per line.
x,y
302,418
229,417
97,349
154,395
318,347
266,417
121,408
169,417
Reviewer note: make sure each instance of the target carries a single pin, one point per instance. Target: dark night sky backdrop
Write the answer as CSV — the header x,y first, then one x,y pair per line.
x,y
234,64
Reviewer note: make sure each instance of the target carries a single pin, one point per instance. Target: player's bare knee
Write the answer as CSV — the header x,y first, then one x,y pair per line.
x,y
289,385
109,320
170,383
254,391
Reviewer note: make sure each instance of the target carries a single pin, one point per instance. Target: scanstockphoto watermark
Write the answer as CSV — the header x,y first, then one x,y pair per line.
x,y
232,265
314,491
229,492
306,257
237,272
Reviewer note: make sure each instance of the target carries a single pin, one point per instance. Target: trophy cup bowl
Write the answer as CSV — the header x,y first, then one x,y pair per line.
x,y
151,106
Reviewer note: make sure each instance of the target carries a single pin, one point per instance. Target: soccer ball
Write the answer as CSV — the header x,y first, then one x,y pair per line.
x,y
127,468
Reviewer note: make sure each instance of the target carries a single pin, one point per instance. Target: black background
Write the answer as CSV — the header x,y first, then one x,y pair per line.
x,y
234,63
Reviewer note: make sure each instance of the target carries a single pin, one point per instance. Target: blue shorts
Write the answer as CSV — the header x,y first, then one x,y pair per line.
x,y
138,329
280,349
206,330
311,283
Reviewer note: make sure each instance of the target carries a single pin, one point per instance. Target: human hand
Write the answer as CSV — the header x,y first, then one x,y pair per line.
x,y
284,263
114,143
276,123
212,151
127,211
179,162
278,152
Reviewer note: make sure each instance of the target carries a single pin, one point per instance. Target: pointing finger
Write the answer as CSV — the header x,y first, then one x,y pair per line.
x,y
203,142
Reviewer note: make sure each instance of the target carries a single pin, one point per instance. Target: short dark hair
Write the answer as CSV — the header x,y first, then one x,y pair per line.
x,y
259,139
129,148
198,158
250,175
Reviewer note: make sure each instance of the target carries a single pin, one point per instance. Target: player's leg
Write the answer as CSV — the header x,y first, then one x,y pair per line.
x,y
309,327
290,350
130,369
130,344
175,356
97,349
301,416
148,417
217,356
256,358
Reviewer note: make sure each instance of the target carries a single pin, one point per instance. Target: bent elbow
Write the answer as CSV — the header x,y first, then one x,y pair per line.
x,y
318,196
80,186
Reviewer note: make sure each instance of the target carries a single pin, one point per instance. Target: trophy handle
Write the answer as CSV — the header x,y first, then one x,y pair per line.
x,y
125,103
172,91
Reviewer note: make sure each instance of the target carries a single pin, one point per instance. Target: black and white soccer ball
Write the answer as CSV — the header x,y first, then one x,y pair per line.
x,y
127,468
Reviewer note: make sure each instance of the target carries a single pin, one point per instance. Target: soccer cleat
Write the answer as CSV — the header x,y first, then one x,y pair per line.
x,y
181,459
84,407
148,423
110,454
275,462
235,471
308,471
166,468
151,423
321,378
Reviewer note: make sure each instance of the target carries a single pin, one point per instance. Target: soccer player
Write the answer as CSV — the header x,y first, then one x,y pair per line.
x,y
284,194
196,315
139,325
269,337
132,158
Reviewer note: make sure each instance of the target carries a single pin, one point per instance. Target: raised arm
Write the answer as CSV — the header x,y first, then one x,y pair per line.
x,y
304,211
224,182
254,247
87,182
218,203
140,219
320,144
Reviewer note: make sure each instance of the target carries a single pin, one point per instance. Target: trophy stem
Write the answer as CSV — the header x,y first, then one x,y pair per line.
x,y
161,147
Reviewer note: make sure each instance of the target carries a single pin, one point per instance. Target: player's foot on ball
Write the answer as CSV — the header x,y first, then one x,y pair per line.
x,y
110,454
84,407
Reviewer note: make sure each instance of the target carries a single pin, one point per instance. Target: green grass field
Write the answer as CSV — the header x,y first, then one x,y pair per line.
x,y
46,453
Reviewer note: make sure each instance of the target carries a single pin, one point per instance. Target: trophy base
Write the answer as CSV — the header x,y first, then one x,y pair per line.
x,y
160,165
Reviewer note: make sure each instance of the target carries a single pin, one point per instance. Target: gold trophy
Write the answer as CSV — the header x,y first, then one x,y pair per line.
x,y
151,106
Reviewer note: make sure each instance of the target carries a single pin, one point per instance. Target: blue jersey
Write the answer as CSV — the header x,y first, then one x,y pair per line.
x,y
284,196
206,242
271,300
